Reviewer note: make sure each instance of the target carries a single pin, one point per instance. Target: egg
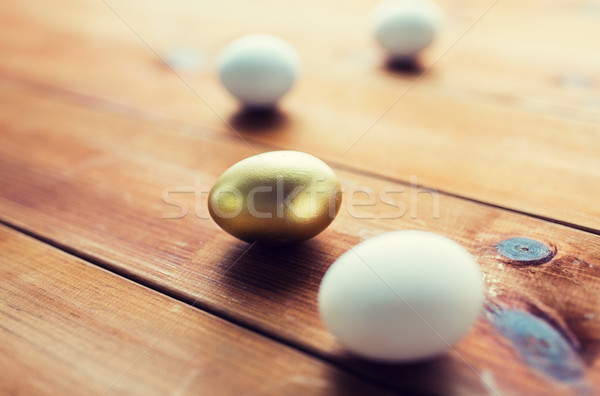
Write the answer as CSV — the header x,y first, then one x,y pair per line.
x,y
401,296
406,27
278,197
258,69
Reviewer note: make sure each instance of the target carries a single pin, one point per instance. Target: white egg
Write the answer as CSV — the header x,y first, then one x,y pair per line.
x,y
401,296
406,27
258,69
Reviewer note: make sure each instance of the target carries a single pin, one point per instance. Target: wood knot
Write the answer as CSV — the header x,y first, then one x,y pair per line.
x,y
525,251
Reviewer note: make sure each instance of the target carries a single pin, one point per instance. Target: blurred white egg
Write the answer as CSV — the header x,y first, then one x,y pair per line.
x,y
258,69
401,296
406,27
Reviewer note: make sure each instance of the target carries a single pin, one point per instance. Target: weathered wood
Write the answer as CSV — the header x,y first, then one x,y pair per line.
x,y
509,116
94,183
67,327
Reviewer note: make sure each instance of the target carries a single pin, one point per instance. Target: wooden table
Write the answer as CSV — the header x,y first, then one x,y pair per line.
x,y
112,120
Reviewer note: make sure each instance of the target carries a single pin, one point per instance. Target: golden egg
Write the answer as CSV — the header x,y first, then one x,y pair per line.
x,y
277,197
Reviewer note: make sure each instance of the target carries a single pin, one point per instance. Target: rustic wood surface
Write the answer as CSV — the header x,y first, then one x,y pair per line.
x,y
519,90
69,327
95,185
102,144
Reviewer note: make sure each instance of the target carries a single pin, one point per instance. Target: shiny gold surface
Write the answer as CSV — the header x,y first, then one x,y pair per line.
x,y
278,197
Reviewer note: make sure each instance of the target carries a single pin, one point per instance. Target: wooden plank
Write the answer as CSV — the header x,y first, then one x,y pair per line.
x,y
68,327
64,28
507,125
94,182
491,110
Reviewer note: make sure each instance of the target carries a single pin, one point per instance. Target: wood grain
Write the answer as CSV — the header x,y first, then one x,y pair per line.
x,y
68,327
509,116
94,182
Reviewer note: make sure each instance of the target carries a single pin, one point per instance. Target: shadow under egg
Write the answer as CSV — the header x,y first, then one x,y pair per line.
x,y
426,377
257,120
274,271
409,66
